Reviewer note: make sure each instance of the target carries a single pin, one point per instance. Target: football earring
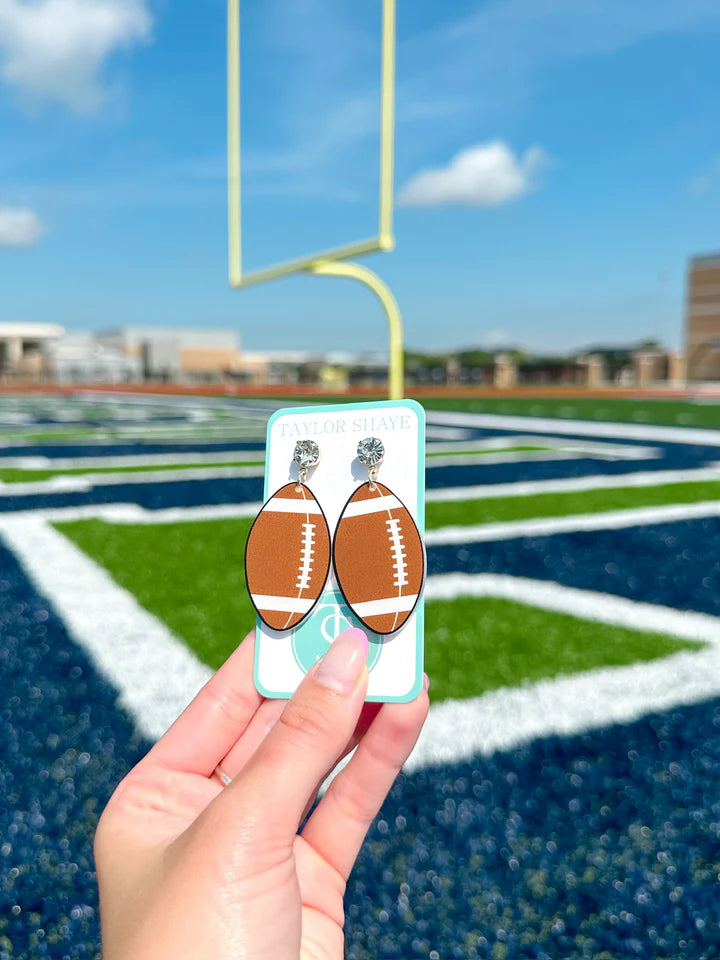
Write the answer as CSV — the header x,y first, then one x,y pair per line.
x,y
377,550
287,555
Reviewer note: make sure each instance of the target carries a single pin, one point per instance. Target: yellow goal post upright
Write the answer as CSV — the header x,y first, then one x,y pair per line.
x,y
334,262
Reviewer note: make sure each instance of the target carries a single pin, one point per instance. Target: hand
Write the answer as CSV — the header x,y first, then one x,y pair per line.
x,y
188,868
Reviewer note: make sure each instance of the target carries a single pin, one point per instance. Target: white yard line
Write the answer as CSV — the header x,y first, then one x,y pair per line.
x,y
643,432
526,488
619,450
155,674
460,729
206,458
512,456
81,483
133,513
609,520
446,433
105,439
587,604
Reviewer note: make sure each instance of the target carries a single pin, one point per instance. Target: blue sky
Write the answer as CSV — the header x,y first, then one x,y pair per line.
x,y
557,163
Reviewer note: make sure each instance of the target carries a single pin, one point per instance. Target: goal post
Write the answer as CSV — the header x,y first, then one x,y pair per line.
x,y
334,261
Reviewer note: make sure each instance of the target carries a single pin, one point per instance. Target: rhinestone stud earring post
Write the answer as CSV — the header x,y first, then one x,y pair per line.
x,y
306,455
371,453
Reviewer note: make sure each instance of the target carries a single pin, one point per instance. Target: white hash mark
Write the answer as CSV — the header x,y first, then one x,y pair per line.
x,y
398,548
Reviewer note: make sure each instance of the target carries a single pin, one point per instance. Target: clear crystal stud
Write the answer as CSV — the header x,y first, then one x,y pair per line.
x,y
307,454
371,451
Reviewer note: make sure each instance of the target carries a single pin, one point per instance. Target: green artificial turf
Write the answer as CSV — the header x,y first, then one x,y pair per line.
x,y
234,430
18,475
49,436
475,644
617,409
496,510
190,575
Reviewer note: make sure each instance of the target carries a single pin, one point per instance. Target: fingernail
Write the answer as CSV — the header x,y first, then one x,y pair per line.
x,y
341,666
426,682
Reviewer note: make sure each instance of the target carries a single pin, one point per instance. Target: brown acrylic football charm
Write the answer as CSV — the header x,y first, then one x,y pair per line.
x,y
287,557
379,558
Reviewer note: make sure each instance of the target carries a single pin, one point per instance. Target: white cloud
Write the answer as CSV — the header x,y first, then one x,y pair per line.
x,y
55,50
19,227
470,69
486,175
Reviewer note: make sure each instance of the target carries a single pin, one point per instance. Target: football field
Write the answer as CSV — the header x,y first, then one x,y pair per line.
x,y
563,801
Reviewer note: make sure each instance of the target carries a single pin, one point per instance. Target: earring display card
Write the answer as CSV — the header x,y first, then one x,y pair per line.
x,y
395,660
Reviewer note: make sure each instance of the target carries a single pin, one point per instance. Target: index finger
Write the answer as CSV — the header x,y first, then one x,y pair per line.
x,y
212,723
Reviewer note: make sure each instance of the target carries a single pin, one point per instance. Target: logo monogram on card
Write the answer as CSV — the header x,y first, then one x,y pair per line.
x,y
312,638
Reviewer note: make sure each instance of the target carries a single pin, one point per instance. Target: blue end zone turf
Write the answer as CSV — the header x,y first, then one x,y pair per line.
x,y
64,744
670,564
598,846
566,847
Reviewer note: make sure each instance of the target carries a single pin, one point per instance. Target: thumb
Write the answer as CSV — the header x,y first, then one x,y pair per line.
x,y
311,734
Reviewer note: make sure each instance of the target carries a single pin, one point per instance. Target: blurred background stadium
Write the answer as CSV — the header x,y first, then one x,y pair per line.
x,y
560,192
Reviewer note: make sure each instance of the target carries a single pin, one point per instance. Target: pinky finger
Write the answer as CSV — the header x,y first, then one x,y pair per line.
x,y
338,825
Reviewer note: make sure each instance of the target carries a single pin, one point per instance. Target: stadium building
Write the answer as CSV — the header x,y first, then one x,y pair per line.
x,y
24,348
176,353
702,318
79,358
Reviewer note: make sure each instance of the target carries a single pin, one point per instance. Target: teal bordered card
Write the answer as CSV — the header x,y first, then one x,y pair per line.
x,y
395,661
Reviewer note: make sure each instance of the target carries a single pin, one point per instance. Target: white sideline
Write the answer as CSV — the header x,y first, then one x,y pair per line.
x,y
620,451
517,456
587,604
559,450
155,674
446,433
643,432
81,483
523,488
457,730
574,523
206,458
134,513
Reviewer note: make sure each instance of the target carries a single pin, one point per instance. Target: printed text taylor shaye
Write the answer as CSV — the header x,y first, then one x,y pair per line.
x,y
360,424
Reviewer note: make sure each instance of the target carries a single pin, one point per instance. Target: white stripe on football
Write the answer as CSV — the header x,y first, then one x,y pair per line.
x,y
379,558
287,557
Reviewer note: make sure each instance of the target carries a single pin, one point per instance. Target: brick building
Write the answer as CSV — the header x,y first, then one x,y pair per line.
x,y
702,318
